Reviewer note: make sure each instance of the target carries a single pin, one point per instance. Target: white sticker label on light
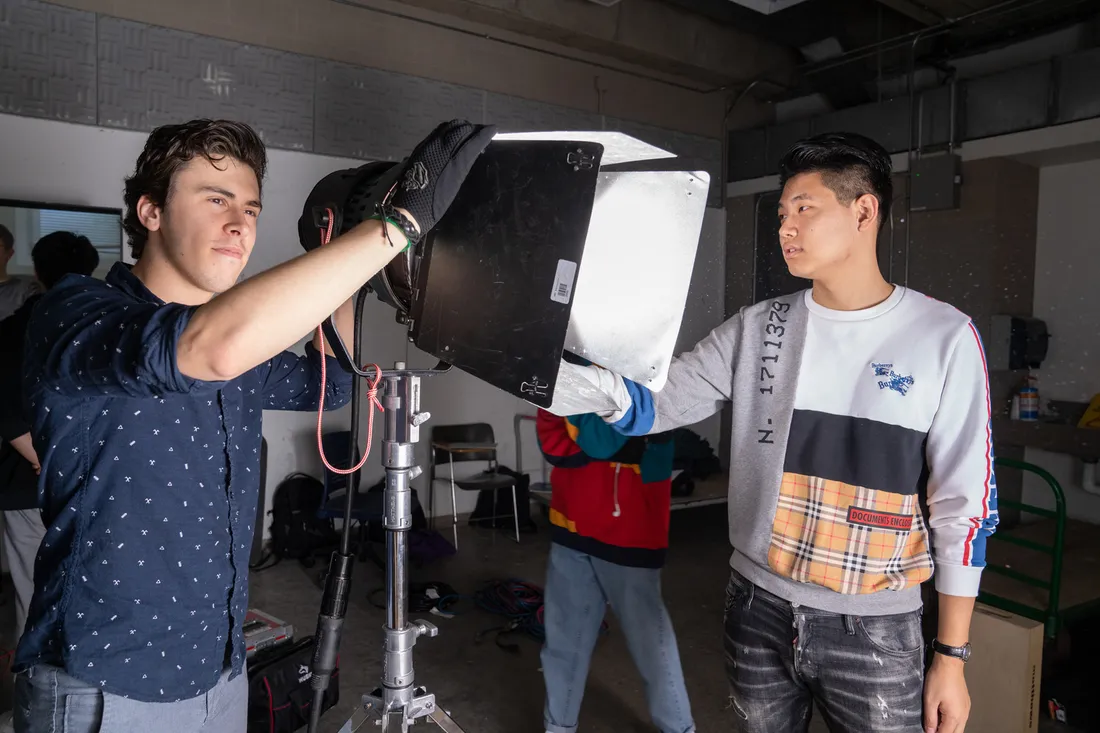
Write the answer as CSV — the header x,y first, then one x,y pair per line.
x,y
563,282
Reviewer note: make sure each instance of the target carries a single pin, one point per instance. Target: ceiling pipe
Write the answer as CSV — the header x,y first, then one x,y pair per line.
x,y
855,54
909,156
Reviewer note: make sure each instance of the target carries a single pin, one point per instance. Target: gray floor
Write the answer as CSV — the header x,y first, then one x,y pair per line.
x,y
487,689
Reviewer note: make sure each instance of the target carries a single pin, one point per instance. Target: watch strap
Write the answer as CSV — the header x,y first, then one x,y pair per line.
x,y
389,214
958,652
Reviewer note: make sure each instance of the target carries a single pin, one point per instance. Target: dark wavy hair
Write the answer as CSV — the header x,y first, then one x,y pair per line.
x,y
172,146
60,253
850,165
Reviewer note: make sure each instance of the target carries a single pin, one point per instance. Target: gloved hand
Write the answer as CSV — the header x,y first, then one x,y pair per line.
x,y
437,168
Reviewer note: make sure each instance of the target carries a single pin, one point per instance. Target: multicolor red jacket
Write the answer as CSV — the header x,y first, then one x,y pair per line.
x,y
611,492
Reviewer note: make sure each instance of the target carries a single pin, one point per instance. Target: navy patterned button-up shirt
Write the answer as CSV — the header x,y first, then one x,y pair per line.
x,y
148,490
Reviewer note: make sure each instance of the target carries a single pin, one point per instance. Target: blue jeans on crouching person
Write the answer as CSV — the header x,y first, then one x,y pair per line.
x,y
579,588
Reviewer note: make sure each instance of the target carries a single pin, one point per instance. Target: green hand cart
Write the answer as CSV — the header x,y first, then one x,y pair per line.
x,y
1025,564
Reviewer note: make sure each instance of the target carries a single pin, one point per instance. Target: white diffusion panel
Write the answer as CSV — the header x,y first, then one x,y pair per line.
x,y
633,281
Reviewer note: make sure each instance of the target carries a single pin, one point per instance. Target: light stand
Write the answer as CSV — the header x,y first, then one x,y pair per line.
x,y
397,704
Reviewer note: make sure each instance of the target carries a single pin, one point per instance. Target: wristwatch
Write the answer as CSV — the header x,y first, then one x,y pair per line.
x,y
959,652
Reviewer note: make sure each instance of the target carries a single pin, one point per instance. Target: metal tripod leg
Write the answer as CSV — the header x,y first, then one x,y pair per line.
x,y
371,716
397,704
440,717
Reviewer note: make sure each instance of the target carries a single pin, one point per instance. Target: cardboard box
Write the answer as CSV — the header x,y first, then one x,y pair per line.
x,y
1004,672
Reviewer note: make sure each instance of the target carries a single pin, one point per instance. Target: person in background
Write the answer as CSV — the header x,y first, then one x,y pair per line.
x,y
609,510
55,256
863,465
13,290
146,394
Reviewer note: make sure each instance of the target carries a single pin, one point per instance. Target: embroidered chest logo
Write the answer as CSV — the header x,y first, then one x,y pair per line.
x,y
889,379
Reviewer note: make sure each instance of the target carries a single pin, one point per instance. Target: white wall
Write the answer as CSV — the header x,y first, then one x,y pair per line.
x,y
1067,297
77,164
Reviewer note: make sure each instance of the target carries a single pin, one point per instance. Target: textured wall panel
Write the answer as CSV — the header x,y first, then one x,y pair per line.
x,y
47,61
1007,102
95,69
151,76
886,123
379,115
1079,96
512,114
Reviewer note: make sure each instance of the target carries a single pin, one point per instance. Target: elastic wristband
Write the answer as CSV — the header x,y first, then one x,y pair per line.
x,y
388,220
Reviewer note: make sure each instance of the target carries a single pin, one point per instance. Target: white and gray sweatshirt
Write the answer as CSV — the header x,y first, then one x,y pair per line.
x,y
844,425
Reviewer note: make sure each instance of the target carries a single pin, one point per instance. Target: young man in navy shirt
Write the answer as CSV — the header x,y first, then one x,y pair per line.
x,y
146,393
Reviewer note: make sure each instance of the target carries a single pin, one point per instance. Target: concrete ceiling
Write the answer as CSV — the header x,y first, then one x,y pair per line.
x,y
712,45
875,36
651,34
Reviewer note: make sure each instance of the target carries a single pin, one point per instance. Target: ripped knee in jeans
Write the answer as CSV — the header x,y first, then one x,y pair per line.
x,y
737,708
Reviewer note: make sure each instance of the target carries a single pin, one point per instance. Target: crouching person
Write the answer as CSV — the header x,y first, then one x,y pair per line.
x,y
610,515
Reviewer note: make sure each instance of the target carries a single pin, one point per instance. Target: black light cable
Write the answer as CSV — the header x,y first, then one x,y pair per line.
x,y
334,602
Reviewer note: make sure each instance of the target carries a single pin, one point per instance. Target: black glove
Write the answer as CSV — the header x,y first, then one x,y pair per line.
x,y
436,169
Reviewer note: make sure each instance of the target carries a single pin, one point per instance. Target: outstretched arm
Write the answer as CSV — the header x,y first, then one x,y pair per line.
x,y
699,382
255,320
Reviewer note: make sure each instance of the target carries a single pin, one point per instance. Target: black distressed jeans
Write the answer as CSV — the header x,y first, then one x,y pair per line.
x,y
865,673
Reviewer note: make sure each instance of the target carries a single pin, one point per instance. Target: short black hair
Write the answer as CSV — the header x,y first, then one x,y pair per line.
x,y
7,241
60,253
850,165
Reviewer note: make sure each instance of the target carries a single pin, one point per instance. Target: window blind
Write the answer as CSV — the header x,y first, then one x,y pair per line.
x,y
103,230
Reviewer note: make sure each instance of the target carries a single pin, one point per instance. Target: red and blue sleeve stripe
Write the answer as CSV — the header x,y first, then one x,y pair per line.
x,y
984,525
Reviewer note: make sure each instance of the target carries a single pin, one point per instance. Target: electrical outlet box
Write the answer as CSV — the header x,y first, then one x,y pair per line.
x,y
1016,342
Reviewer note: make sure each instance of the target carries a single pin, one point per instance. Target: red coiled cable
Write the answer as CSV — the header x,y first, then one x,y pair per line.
x,y
372,393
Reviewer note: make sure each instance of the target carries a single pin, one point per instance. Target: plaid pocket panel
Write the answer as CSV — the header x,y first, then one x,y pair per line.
x,y
849,539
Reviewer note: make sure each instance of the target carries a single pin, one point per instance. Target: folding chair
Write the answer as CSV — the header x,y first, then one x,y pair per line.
x,y
453,444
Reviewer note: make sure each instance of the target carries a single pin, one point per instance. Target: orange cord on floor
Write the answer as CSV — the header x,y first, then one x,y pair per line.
x,y
372,393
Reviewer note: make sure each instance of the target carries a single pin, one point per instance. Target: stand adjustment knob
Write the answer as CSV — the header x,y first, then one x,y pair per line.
x,y
426,628
420,418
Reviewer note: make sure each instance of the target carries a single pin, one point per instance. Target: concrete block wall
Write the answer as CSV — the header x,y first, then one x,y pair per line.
x,y
79,65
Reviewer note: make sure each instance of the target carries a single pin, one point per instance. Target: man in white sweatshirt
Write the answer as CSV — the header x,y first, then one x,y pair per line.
x,y
861,461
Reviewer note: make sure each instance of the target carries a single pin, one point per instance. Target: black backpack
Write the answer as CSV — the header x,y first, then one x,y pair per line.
x,y
296,530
